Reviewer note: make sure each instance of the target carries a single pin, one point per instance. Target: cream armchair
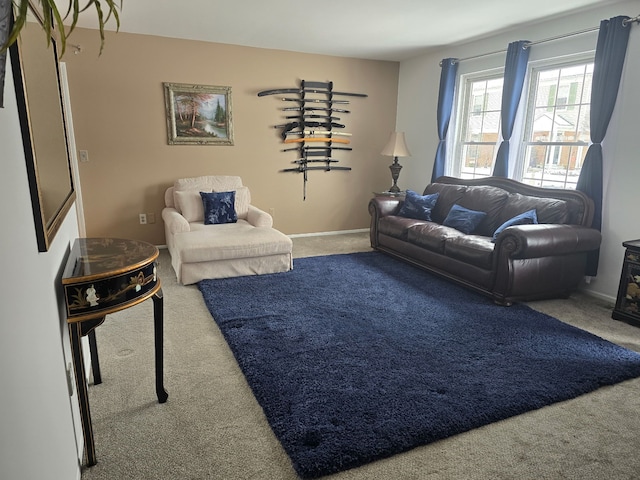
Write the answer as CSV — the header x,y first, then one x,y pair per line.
x,y
248,246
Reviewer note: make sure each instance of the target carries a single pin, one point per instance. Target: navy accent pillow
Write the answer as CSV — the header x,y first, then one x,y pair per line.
x,y
418,206
463,219
219,207
526,218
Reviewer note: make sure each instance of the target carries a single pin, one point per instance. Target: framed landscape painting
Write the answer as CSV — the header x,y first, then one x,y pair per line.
x,y
198,114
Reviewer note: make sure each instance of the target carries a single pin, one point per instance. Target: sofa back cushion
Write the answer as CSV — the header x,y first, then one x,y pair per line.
x,y
219,183
579,207
189,204
448,195
548,210
486,199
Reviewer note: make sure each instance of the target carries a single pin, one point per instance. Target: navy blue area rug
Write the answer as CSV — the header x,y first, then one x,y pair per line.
x,y
358,357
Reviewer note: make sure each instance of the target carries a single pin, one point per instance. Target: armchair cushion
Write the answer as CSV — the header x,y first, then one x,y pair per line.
x,y
219,207
190,204
242,201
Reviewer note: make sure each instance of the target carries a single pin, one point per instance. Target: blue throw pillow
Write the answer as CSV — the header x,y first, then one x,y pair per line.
x,y
219,207
418,206
526,218
463,219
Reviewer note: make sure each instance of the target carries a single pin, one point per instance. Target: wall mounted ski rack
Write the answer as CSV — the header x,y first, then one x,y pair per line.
x,y
315,132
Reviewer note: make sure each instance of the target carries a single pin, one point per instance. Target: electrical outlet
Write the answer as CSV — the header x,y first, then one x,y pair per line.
x,y
151,218
84,156
143,218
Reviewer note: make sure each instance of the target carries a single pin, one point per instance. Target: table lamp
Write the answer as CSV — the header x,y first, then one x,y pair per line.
x,y
395,147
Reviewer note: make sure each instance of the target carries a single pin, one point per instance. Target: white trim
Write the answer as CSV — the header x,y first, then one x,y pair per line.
x,y
73,153
599,296
320,234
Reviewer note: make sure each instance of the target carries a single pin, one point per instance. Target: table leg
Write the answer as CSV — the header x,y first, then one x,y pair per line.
x,y
82,389
158,320
95,362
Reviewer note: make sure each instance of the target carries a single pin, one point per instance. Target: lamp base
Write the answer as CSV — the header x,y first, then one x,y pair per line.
x,y
395,168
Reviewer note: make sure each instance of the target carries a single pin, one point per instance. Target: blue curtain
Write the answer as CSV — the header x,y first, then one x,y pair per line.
x,y
515,70
607,70
445,105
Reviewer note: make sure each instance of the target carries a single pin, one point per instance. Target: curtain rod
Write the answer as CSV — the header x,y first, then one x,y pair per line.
x,y
635,19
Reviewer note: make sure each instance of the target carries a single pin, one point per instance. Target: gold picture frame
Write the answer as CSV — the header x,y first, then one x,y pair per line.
x,y
198,114
39,97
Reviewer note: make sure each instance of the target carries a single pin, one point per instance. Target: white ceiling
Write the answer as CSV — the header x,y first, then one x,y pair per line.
x,y
373,29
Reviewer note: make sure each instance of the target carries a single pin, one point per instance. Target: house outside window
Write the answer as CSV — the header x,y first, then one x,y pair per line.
x,y
548,148
557,133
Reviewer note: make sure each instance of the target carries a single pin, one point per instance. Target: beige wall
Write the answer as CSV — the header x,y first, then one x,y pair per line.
x,y
119,118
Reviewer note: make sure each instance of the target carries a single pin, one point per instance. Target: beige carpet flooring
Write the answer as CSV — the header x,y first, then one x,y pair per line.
x,y
212,427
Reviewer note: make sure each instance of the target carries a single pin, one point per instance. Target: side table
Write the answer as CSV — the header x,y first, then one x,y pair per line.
x,y
627,306
390,194
102,276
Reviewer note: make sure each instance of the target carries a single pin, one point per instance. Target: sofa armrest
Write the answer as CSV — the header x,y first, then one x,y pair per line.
x,y
174,221
259,218
382,206
547,240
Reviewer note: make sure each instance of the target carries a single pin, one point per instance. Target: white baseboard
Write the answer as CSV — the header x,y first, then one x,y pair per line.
x,y
599,296
320,234
316,234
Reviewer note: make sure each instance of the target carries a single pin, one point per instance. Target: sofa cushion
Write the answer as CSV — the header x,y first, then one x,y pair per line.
x,y
230,241
209,183
431,236
242,201
189,204
472,249
418,206
463,219
488,199
448,195
396,227
219,207
548,210
526,218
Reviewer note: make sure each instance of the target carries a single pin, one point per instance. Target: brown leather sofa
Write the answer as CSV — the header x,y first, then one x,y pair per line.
x,y
523,262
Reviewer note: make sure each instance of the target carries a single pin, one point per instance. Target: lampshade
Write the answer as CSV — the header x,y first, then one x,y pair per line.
x,y
396,146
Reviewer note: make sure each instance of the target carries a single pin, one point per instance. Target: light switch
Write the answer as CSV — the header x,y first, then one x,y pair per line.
x,y
84,155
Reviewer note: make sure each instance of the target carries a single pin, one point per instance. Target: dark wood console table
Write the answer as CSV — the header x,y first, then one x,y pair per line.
x,y
102,276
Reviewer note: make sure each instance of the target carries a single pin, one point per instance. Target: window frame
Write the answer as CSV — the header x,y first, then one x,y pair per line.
x,y
533,70
462,113
518,143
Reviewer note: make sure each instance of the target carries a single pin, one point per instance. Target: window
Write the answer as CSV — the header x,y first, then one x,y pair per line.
x,y
549,148
480,128
557,133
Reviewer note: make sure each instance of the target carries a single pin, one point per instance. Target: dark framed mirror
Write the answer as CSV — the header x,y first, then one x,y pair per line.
x,y
36,77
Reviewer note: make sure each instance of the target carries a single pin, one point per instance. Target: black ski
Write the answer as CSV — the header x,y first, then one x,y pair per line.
x,y
325,117
317,160
292,125
314,100
308,90
313,109
311,147
316,153
302,168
